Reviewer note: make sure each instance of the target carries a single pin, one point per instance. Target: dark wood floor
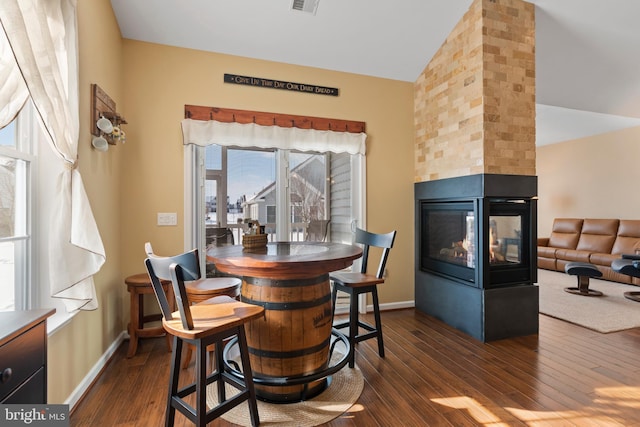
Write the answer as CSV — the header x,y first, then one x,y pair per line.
x,y
432,375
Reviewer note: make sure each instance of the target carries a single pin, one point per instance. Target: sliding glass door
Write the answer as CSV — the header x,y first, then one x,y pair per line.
x,y
297,196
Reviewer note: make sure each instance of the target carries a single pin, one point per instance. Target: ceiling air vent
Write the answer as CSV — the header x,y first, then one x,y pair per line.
x,y
308,6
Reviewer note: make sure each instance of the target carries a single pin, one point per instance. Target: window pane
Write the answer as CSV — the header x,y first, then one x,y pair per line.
x,y
271,214
13,192
13,224
342,193
210,200
213,157
307,182
237,181
7,135
7,276
250,179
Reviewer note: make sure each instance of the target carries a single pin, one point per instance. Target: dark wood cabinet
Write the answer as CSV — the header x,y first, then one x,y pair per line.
x,y
23,356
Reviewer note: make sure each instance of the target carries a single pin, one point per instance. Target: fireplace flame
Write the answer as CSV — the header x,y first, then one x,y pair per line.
x,y
467,244
492,242
495,255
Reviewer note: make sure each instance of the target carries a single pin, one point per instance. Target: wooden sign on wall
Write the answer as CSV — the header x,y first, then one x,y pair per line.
x,y
278,84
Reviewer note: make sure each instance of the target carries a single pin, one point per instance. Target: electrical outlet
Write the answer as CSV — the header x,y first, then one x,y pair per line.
x,y
167,218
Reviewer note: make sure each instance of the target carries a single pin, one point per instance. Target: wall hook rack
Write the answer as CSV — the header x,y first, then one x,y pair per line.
x,y
103,106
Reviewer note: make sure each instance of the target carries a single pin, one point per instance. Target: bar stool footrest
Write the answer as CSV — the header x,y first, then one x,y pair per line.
x,y
231,367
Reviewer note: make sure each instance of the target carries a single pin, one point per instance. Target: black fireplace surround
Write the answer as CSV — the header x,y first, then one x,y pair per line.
x,y
475,253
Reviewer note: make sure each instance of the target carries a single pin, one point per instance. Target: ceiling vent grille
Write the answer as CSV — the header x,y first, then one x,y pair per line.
x,y
307,6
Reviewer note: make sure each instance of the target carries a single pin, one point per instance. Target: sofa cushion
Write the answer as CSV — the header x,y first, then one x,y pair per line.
x,y
565,233
547,251
572,255
598,235
602,259
628,238
547,263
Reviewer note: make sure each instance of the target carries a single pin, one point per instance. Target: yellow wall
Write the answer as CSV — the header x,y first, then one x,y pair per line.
x,y
76,347
130,183
160,80
594,177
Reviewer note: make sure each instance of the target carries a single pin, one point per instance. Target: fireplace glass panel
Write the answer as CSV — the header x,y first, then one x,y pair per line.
x,y
508,256
451,233
505,239
448,244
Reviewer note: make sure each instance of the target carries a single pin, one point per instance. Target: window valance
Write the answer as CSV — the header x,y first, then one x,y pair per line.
x,y
209,132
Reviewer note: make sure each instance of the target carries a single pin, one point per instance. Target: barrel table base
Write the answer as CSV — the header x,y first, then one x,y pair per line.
x,y
306,386
290,347
293,337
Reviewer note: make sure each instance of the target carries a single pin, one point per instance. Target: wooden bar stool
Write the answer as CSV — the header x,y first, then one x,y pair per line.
x,y
204,289
202,325
139,285
355,284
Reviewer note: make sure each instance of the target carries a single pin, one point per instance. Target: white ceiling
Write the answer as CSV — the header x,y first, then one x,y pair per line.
x,y
587,51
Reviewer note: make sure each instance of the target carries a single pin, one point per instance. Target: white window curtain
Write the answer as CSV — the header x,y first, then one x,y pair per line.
x,y
209,132
39,59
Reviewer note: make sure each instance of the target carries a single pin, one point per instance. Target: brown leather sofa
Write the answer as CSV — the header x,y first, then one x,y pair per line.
x,y
596,241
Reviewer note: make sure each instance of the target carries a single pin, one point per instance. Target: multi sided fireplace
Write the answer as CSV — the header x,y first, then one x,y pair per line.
x,y
475,253
489,252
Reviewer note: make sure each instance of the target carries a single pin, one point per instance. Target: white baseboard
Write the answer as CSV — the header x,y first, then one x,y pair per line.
x,y
383,307
91,376
393,306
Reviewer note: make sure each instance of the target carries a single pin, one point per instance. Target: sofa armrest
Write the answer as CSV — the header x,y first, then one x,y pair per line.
x,y
543,241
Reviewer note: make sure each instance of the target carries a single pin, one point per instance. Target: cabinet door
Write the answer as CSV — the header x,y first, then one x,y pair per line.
x,y
21,358
31,391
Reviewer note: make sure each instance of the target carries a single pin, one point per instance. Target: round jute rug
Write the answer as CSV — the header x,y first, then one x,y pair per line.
x,y
343,391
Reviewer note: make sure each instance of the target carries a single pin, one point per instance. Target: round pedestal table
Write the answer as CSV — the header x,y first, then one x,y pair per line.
x,y
290,345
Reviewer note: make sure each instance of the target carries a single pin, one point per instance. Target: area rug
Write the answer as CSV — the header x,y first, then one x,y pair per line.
x,y
343,391
608,313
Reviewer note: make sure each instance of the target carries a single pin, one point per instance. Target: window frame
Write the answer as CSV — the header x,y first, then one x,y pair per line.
x,y
33,288
25,259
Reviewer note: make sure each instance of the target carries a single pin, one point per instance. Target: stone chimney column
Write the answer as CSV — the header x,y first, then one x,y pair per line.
x,y
475,101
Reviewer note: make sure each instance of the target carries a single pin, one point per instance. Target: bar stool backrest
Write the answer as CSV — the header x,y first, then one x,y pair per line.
x,y
176,268
368,239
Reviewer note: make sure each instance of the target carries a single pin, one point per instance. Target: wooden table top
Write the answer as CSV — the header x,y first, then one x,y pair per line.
x,y
284,260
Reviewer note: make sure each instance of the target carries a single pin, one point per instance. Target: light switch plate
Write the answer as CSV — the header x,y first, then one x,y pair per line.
x,y
167,218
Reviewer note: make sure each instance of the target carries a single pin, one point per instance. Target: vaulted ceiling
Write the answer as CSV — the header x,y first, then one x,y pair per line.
x,y
587,51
